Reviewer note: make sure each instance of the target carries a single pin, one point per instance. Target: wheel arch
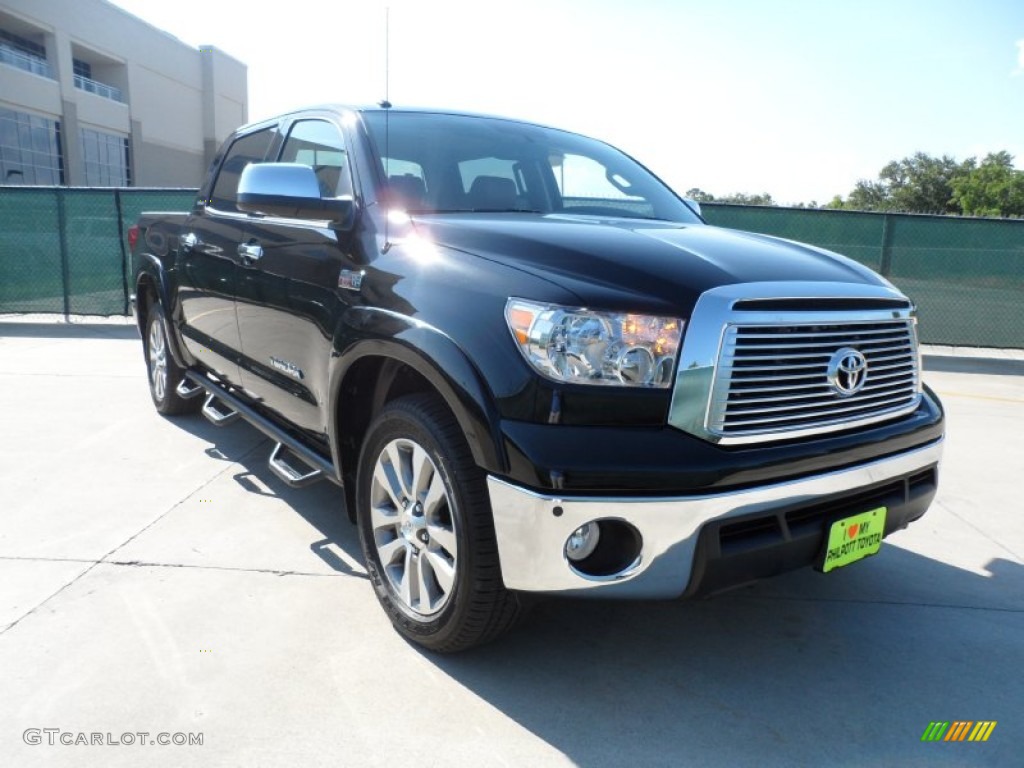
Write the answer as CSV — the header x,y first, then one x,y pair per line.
x,y
375,371
151,285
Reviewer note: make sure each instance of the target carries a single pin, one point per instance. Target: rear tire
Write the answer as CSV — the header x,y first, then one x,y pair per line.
x,y
164,372
426,530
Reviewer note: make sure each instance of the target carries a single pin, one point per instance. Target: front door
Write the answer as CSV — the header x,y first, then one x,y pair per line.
x,y
288,288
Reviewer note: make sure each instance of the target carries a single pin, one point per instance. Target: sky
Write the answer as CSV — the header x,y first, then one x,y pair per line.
x,y
796,98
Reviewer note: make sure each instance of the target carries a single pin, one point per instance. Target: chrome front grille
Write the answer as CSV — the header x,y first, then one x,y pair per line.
x,y
772,379
756,361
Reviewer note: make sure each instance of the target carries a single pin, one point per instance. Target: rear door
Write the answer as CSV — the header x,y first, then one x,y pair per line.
x,y
208,261
288,296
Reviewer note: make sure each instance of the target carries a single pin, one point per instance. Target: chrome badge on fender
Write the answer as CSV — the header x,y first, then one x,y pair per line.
x,y
284,366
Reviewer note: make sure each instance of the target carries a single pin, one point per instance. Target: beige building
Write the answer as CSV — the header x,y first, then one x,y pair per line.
x,y
91,95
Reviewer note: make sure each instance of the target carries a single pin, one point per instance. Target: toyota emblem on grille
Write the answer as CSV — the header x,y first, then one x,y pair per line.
x,y
847,371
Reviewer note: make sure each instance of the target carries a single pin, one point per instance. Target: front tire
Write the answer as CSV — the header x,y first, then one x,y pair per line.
x,y
426,531
164,372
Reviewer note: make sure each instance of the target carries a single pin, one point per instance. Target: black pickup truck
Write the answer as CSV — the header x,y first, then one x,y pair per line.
x,y
531,366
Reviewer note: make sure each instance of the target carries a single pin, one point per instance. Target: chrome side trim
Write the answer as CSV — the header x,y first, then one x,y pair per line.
x,y
707,330
532,528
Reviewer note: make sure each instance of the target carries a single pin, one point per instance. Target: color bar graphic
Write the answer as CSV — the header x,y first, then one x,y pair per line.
x,y
958,730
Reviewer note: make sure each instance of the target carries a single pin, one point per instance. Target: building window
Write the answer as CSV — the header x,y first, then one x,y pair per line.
x,y
105,159
22,44
20,52
30,150
82,68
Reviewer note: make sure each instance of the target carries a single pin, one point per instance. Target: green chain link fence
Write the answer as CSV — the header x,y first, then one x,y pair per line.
x,y
62,250
965,275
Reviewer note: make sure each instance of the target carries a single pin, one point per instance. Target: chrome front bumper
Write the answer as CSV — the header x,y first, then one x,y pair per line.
x,y
531,533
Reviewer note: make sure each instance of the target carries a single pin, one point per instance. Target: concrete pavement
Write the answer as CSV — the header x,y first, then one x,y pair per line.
x,y
156,578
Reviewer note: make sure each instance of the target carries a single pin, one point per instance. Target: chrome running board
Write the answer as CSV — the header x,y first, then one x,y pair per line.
x,y
217,413
188,389
283,463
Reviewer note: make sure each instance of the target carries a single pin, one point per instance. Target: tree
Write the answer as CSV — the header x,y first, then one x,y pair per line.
x,y
869,196
916,184
739,198
924,184
994,188
698,194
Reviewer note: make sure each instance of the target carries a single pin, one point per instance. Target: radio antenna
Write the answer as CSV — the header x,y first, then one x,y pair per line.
x,y
386,106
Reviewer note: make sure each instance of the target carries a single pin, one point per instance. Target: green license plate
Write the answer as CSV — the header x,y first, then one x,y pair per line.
x,y
854,538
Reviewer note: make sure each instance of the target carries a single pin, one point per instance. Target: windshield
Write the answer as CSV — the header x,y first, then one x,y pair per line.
x,y
437,163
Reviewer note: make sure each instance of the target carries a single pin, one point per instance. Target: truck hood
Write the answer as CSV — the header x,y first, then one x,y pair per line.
x,y
637,260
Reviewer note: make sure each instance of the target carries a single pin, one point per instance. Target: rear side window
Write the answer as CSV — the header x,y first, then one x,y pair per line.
x,y
251,148
320,145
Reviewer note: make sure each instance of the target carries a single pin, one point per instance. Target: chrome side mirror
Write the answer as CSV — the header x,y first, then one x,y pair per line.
x,y
291,191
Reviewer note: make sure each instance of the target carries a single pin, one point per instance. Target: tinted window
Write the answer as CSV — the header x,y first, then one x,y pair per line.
x,y
586,185
105,158
319,144
471,170
251,148
29,149
486,164
394,167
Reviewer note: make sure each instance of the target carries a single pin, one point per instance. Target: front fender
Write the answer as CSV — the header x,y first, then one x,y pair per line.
x,y
438,359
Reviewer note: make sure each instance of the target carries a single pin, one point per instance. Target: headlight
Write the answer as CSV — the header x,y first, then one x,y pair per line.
x,y
581,346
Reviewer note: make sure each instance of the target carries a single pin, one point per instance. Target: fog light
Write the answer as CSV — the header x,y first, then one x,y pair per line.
x,y
582,543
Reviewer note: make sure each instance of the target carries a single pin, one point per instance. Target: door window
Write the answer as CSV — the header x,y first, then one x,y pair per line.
x,y
320,145
251,148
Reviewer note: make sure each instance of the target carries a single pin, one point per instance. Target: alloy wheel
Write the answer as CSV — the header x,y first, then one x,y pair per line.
x,y
413,527
158,359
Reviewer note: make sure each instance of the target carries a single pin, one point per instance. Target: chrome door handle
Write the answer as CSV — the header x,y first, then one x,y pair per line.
x,y
188,241
250,251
